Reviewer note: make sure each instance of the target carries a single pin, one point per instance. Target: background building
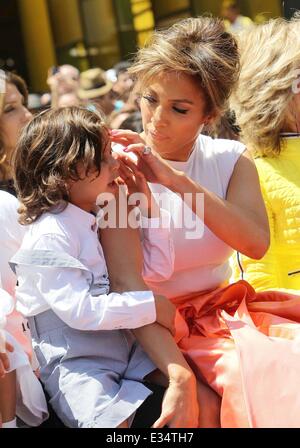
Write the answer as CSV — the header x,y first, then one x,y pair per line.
x,y
36,34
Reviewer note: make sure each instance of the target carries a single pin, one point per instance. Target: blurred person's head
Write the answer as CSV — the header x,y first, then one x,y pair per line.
x,y
124,83
133,122
68,99
64,79
14,115
97,89
230,10
267,97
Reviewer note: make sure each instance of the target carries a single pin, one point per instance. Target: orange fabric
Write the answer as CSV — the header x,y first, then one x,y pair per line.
x,y
246,346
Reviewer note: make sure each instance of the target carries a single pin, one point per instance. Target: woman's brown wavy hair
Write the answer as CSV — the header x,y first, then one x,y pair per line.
x,y
19,83
47,156
199,47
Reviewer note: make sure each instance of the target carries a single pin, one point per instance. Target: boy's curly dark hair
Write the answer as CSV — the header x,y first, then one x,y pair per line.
x,y
47,156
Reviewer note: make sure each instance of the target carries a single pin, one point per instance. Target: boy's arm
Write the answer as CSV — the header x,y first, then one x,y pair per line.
x,y
66,291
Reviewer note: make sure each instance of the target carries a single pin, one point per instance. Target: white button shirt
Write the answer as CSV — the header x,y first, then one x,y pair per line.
x,y
65,290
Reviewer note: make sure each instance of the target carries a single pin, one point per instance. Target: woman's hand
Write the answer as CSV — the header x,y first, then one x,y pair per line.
x,y
125,137
152,165
180,406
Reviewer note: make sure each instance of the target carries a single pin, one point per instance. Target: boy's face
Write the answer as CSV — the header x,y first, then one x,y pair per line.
x,y
83,193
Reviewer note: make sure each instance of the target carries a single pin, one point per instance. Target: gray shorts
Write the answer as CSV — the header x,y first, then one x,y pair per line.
x,y
93,378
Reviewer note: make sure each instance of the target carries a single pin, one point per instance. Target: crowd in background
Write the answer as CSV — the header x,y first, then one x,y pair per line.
x,y
112,90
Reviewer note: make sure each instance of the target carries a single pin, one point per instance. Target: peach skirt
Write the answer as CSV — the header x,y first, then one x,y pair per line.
x,y
246,347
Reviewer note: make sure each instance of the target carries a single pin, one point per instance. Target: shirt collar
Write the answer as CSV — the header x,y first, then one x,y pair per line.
x,y
81,216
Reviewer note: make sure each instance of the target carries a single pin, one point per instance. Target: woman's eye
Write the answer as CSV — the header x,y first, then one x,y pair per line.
x,y
149,98
9,109
180,111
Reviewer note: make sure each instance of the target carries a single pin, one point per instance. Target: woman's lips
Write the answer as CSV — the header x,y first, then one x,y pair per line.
x,y
157,136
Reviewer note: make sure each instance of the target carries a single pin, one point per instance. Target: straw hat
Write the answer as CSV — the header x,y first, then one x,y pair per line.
x,y
93,83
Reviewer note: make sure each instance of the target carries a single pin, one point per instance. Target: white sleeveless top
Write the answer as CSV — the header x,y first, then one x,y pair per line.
x,y
201,260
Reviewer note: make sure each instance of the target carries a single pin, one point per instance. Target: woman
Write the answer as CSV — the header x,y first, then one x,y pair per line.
x,y
268,111
185,76
13,117
20,391
27,400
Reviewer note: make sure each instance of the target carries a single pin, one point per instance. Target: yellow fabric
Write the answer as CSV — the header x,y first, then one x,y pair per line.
x,y
280,184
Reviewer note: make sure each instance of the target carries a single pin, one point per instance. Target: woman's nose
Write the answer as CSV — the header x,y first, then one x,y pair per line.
x,y
159,117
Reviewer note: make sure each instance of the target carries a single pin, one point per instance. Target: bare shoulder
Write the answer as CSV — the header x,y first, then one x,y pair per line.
x,y
244,178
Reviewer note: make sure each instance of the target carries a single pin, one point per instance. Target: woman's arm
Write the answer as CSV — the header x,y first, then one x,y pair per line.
x,y
240,220
158,251
180,408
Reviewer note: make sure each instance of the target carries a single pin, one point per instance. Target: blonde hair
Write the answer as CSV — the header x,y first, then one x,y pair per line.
x,y
270,57
199,47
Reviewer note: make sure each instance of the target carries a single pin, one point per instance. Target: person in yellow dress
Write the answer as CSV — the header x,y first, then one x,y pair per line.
x,y
267,106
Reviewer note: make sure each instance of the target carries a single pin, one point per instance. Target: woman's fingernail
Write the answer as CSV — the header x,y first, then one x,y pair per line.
x,y
126,149
114,132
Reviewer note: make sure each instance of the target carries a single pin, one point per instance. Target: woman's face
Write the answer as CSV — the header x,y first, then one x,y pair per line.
x,y
13,118
172,108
